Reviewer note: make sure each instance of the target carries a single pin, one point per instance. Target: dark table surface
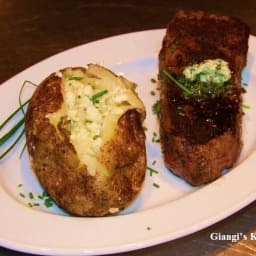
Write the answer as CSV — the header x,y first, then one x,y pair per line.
x,y
30,31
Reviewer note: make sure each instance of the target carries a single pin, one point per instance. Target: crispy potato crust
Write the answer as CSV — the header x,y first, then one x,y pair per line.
x,y
59,170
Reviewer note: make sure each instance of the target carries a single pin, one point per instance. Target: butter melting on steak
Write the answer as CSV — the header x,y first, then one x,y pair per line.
x,y
201,136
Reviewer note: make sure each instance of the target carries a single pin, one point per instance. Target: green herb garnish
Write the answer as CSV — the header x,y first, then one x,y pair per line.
x,y
95,98
76,78
145,128
12,145
156,185
20,93
45,194
152,93
13,114
95,137
9,134
155,138
246,106
180,111
48,202
22,195
172,50
185,90
153,80
154,162
202,90
31,196
200,85
156,108
152,171
17,126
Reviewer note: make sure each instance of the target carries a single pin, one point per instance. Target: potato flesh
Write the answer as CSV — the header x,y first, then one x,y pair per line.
x,y
93,103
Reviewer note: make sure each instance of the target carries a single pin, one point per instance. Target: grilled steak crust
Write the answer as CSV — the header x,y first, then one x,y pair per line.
x,y
201,138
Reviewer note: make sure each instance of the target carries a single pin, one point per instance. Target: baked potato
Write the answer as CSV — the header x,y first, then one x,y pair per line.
x,y
85,140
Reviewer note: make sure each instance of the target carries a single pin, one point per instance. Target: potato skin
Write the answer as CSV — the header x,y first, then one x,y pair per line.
x,y
58,168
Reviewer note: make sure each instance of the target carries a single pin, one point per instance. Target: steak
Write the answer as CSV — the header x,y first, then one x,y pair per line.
x,y
201,137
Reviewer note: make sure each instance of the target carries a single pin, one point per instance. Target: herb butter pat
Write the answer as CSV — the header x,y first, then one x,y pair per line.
x,y
208,71
203,80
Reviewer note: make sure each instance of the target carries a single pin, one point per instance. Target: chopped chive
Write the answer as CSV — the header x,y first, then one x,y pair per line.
x,y
156,185
48,203
153,80
152,171
155,139
77,78
95,97
154,162
156,107
172,50
36,204
246,106
45,194
22,195
20,185
70,77
145,128
181,86
45,197
95,137
152,93
31,196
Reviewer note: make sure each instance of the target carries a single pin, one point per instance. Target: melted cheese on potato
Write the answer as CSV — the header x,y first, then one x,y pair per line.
x,y
94,100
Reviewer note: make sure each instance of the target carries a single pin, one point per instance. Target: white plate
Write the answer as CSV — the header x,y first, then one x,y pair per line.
x,y
160,214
